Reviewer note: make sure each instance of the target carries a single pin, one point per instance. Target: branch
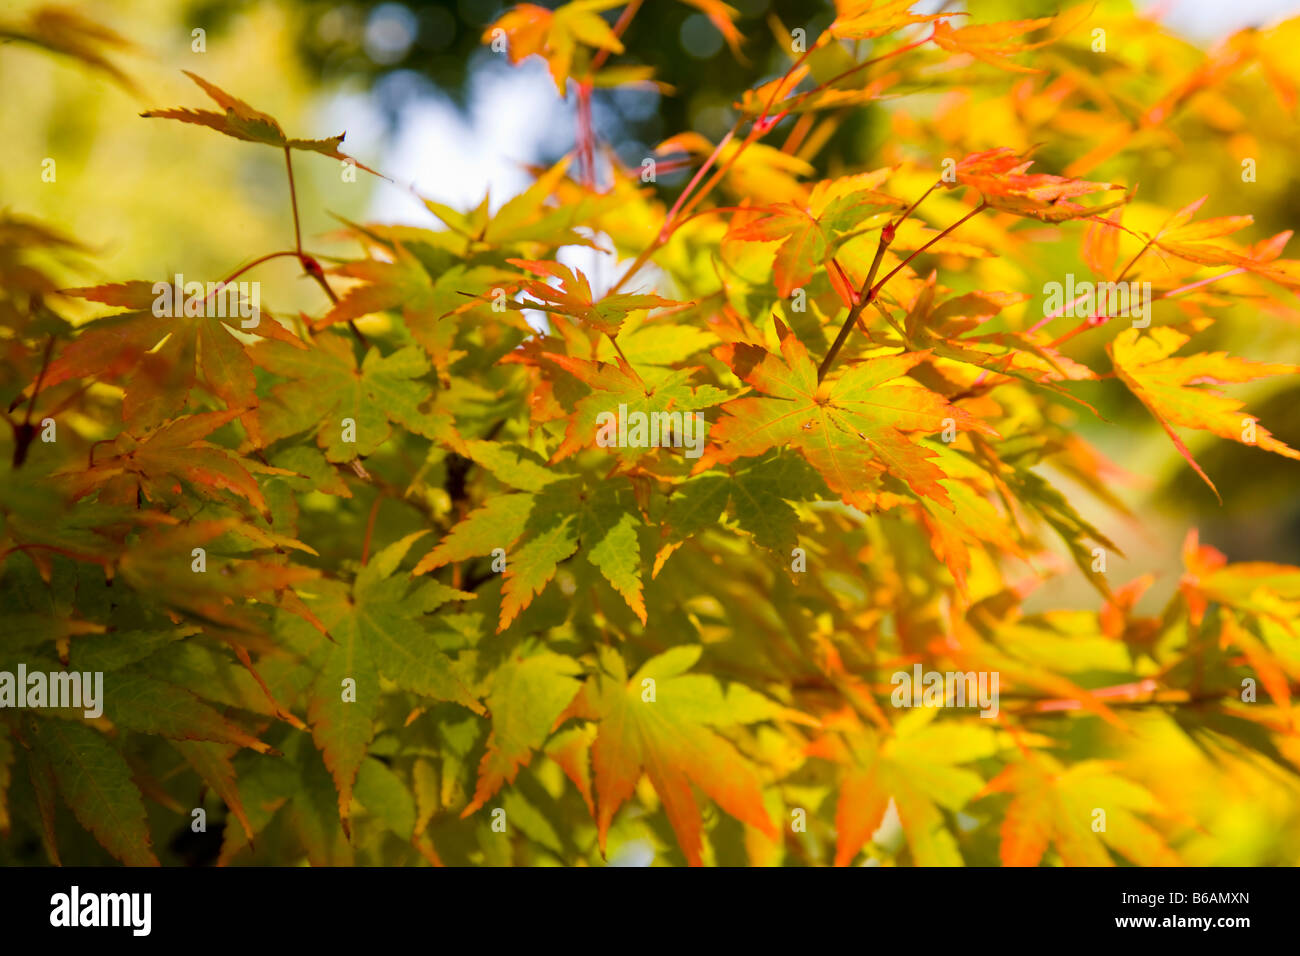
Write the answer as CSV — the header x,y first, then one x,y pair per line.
x,y
869,291
863,300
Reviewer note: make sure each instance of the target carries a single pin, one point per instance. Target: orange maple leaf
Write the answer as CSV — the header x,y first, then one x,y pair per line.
x,y
852,427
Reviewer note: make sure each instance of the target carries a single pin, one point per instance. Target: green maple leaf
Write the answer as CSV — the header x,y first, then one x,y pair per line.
x,y
211,761
529,217
529,692
378,628
37,513
759,496
426,299
512,464
134,700
96,782
386,798
326,387
614,386
539,530
293,798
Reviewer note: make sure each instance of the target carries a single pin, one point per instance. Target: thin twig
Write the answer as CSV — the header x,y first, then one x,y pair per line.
x,y
870,291
620,25
893,272
863,300
370,528
293,201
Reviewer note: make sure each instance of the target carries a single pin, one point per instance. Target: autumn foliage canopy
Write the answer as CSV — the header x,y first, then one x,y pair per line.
x,y
367,584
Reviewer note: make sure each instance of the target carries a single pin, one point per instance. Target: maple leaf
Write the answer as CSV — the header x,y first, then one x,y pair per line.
x,y
868,19
65,31
852,427
755,102
671,738
136,701
378,627
555,35
1028,653
427,304
573,297
1257,588
618,386
326,389
973,519
1181,237
1057,511
1000,177
540,528
1056,806
942,330
1275,670
211,761
223,635
243,122
916,768
529,692
758,496
838,75
1186,239
162,376
661,341
1100,247
247,564
296,790
809,237
1166,385
534,216
1274,52
95,780
759,170
39,519
402,284
148,465
991,42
